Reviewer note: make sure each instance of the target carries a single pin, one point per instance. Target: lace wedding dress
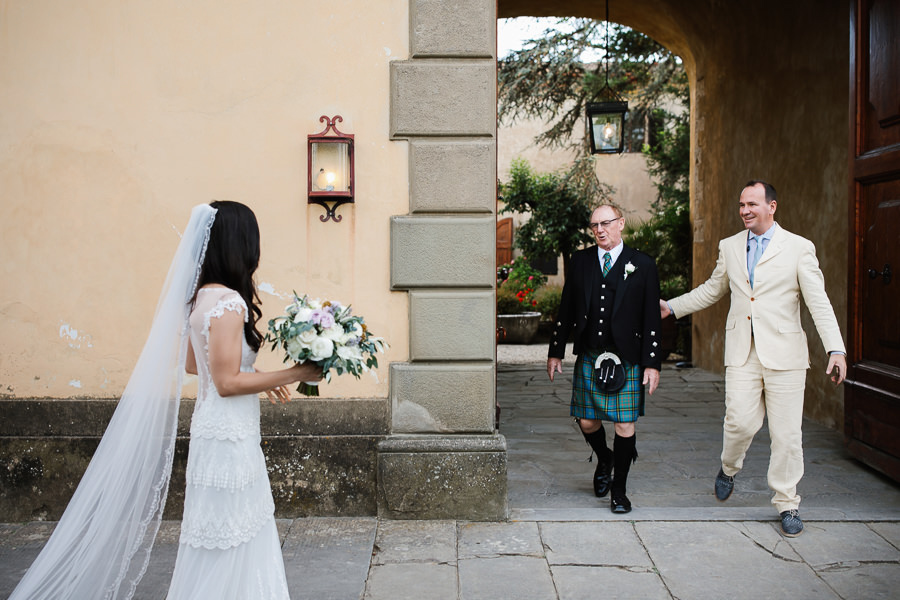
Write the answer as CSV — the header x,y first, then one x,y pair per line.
x,y
229,546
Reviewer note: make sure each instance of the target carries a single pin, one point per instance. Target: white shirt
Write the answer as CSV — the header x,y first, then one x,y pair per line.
x,y
614,253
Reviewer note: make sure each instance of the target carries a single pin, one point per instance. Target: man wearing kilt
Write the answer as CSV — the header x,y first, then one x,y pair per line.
x,y
610,305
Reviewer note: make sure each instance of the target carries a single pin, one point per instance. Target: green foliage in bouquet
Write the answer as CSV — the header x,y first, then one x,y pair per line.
x,y
326,334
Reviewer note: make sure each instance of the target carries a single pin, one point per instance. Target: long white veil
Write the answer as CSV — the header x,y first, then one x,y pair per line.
x,y
101,546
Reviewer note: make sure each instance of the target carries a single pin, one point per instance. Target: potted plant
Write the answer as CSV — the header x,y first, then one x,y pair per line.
x,y
517,314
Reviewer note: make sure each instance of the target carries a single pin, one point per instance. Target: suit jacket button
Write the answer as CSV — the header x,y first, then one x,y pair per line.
x,y
554,343
748,317
652,333
652,354
558,324
752,299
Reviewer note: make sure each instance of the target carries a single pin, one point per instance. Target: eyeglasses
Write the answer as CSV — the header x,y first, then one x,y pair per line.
x,y
604,224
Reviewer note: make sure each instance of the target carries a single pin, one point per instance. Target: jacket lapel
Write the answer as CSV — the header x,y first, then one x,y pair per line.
x,y
774,246
587,276
738,251
623,260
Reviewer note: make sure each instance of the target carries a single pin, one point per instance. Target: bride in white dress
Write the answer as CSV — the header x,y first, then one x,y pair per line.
x,y
229,546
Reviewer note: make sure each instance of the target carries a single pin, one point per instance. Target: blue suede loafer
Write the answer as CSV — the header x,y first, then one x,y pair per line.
x,y
791,525
724,485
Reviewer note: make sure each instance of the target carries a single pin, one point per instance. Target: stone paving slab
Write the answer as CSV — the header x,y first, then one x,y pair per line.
x,y
328,558
490,540
518,577
584,583
720,560
412,581
594,544
415,541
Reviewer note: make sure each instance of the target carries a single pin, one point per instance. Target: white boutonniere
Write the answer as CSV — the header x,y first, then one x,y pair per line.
x,y
629,269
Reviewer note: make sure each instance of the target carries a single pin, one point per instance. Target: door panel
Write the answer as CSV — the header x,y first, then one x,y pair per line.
x,y
504,241
872,393
882,89
881,255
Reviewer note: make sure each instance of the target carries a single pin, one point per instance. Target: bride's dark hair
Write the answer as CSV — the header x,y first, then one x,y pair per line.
x,y
232,256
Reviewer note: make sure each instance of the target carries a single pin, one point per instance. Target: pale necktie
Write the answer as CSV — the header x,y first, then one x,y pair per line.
x,y
756,255
607,263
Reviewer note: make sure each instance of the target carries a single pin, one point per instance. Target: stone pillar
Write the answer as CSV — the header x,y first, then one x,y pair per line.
x,y
444,459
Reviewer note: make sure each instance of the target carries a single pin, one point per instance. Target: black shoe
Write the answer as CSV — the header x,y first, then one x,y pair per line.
x,y
724,485
791,525
603,475
619,503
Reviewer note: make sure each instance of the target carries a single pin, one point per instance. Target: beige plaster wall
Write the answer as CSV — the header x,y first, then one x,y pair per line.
x,y
117,118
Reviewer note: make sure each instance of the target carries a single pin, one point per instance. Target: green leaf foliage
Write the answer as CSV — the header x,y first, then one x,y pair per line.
x,y
559,205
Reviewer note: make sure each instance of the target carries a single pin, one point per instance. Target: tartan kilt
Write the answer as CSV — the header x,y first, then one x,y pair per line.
x,y
625,406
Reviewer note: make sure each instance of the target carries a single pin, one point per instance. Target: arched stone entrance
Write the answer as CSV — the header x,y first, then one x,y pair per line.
x,y
769,92
769,100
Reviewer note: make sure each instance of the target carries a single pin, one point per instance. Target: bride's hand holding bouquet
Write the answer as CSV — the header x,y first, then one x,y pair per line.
x,y
325,334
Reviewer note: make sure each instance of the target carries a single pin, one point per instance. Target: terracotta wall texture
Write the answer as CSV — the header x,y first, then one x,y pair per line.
x,y
115,119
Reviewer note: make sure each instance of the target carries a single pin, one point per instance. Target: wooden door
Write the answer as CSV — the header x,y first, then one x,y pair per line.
x,y
872,395
504,241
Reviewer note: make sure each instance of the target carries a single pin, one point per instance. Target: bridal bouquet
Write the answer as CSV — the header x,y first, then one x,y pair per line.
x,y
328,335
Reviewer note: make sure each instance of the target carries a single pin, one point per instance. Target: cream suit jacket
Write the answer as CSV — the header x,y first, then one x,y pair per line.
x,y
770,311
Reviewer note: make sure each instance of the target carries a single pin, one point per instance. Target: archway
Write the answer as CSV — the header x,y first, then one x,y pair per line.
x,y
768,100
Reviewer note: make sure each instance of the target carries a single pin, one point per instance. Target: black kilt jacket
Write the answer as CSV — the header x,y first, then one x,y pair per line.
x,y
635,317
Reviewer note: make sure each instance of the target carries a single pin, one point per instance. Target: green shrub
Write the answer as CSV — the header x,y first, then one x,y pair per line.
x,y
511,301
548,299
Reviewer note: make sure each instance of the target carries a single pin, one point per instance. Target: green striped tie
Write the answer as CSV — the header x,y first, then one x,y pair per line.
x,y
607,263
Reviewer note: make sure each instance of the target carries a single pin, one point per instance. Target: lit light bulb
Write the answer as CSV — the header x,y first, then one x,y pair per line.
x,y
320,179
608,131
329,179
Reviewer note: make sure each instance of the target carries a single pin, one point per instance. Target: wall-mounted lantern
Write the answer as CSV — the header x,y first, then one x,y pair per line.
x,y
330,168
606,122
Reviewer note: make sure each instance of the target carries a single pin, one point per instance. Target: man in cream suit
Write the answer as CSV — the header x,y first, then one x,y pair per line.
x,y
766,269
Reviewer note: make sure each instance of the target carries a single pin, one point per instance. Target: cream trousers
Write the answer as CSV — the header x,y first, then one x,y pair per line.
x,y
751,393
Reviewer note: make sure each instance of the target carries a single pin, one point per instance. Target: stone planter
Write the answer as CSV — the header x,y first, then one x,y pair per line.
x,y
517,329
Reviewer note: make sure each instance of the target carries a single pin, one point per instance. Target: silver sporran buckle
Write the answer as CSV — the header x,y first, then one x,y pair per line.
x,y
609,373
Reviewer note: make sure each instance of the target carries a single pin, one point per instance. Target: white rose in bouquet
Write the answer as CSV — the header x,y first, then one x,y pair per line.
x,y
335,333
307,337
294,347
321,348
302,315
349,352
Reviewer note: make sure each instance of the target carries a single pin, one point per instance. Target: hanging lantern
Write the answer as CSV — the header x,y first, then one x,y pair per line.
x,y
606,120
606,123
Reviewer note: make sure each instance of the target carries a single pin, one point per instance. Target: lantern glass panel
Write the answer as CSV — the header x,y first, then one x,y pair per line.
x,y
606,129
330,166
